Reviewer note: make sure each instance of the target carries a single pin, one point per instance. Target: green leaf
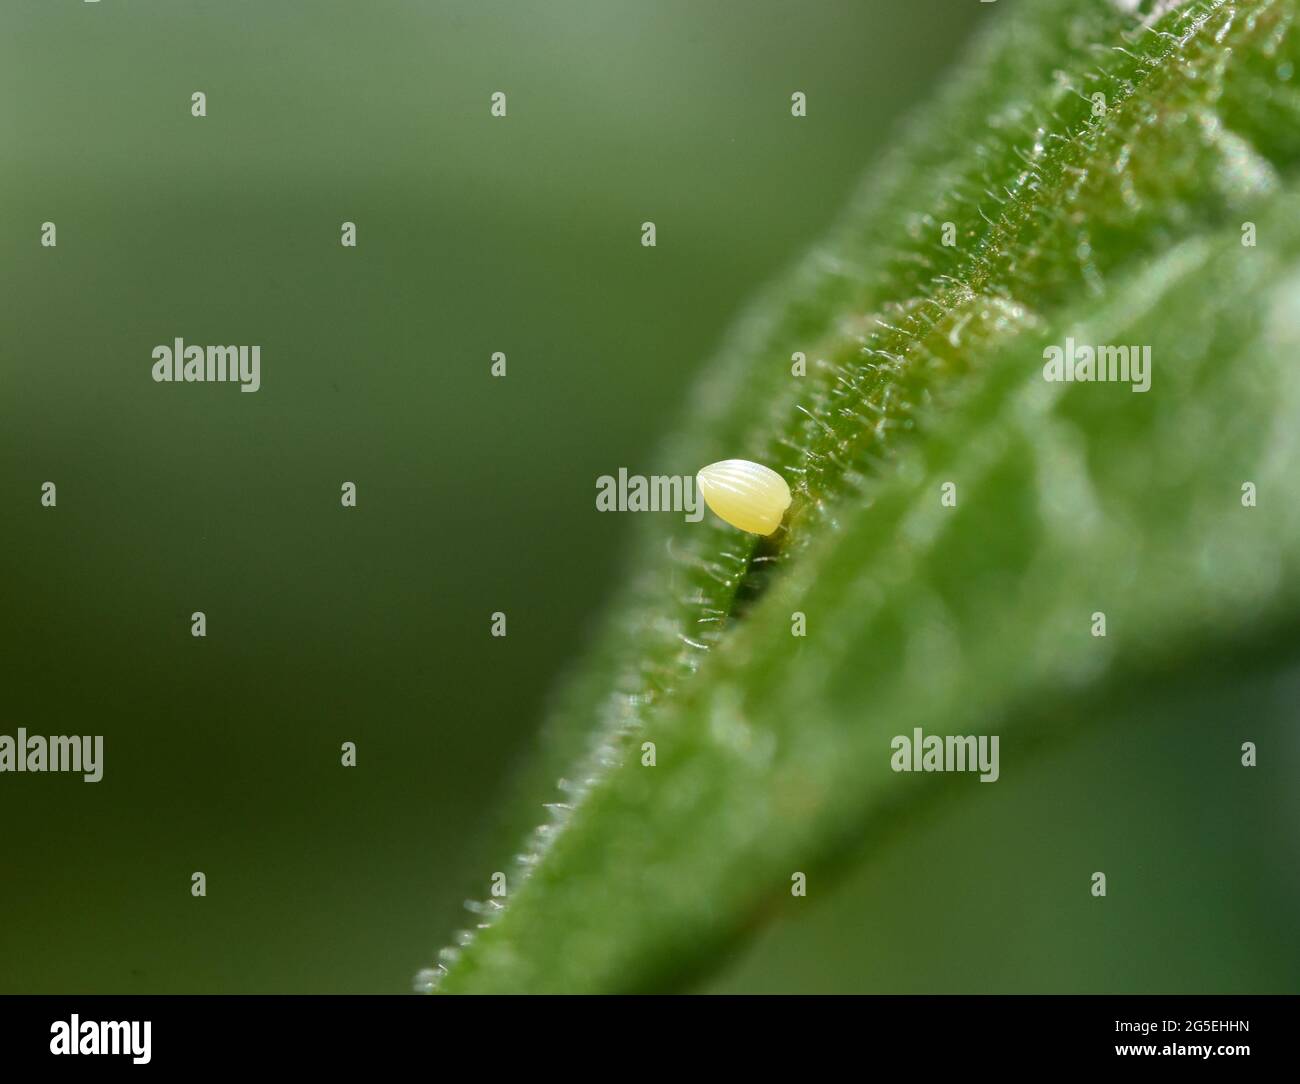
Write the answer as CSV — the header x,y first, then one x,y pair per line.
x,y
1116,220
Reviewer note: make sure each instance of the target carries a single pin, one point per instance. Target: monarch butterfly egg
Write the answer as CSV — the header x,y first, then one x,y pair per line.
x,y
747,495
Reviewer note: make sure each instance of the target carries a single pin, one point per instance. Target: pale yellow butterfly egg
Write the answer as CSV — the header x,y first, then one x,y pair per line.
x,y
747,495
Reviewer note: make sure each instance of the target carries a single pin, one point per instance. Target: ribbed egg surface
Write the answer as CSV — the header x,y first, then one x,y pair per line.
x,y
747,495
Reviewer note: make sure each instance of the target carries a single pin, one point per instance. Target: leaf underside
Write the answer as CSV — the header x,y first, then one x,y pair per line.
x,y
925,366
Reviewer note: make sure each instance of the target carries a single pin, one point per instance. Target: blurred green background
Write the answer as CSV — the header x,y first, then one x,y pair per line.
x,y
372,625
